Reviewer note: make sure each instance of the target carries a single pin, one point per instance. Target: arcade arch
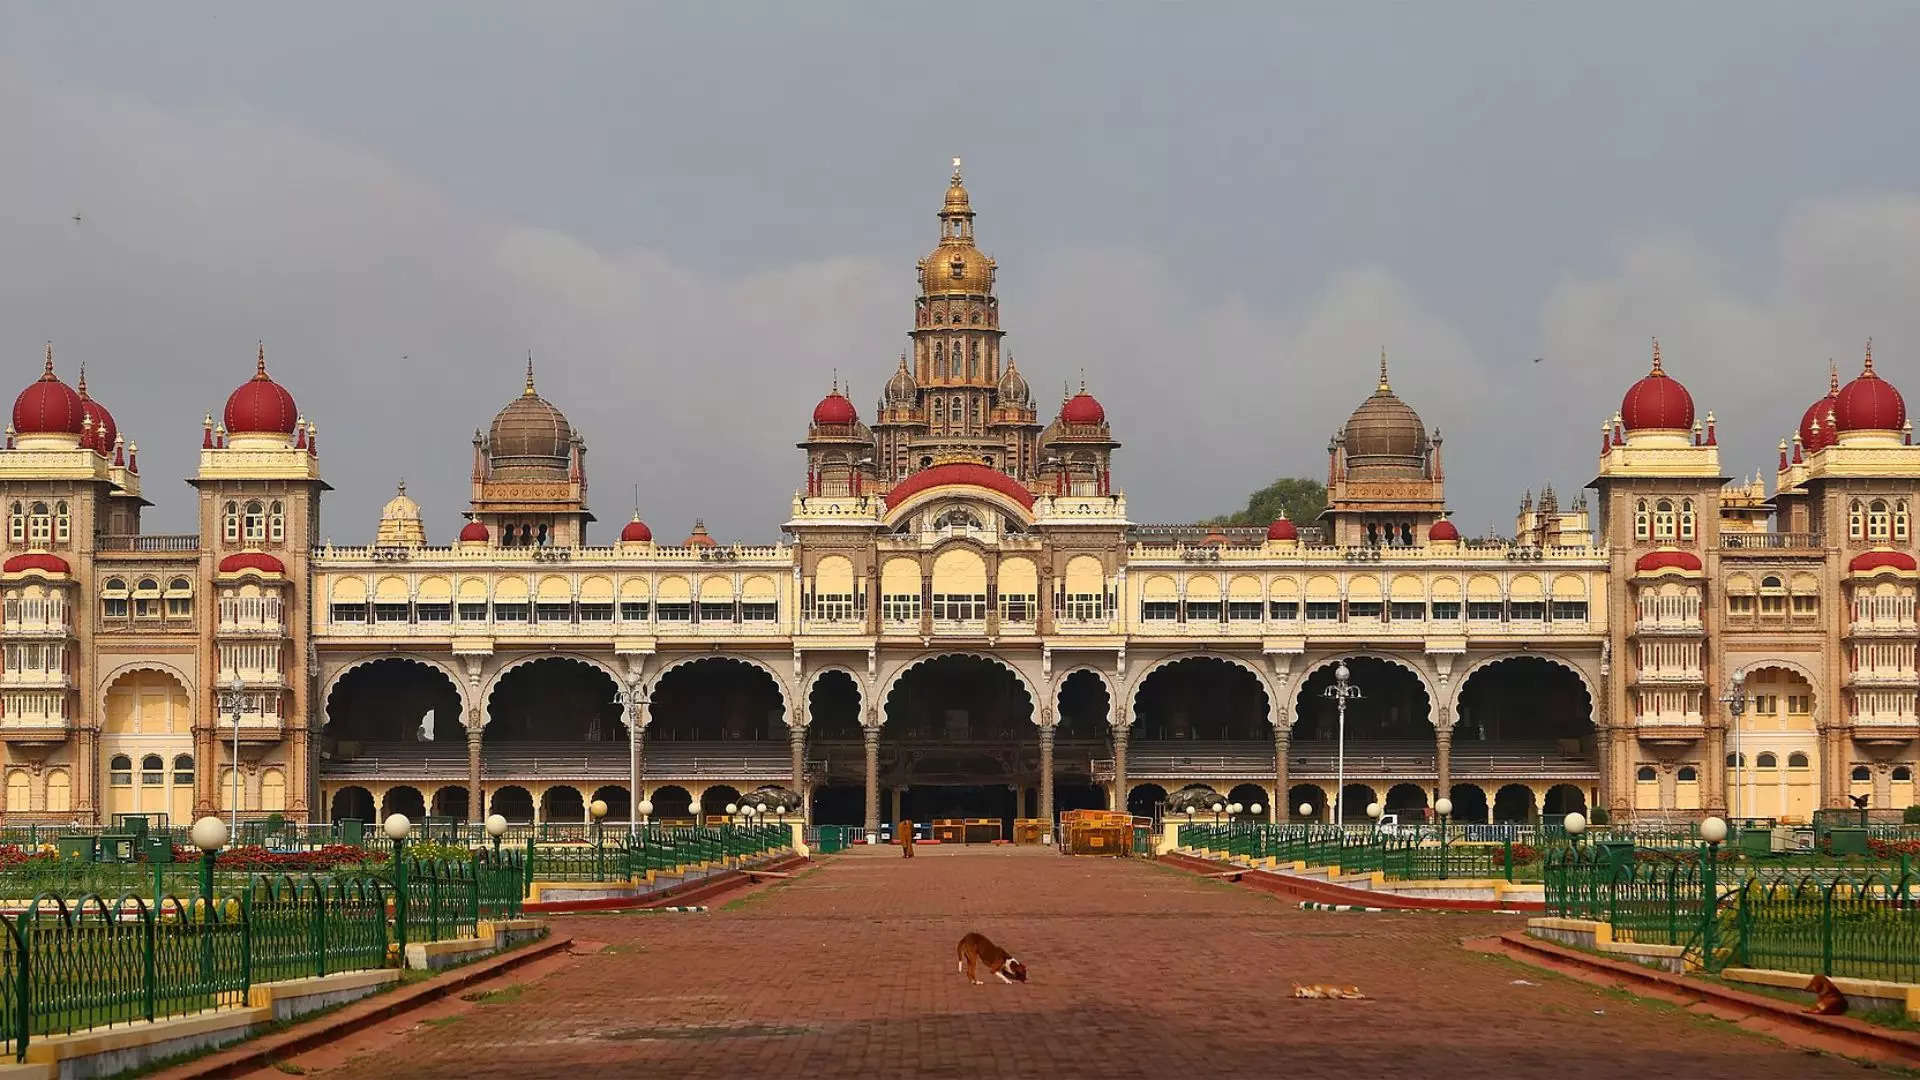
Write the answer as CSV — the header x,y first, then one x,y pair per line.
x,y
951,739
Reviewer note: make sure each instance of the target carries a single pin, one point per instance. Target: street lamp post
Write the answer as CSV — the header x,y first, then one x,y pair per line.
x,y
1443,806
1735,699
1373,815
1713,831
496,828
397,827
630,699
209,834
598,810
1342,691
233,699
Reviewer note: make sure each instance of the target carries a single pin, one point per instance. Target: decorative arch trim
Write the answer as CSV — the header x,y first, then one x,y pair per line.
x,y
160,666
333,682
813,680
1586,683
1813,683
899,505
1060,684
779,684
1274,704
900,672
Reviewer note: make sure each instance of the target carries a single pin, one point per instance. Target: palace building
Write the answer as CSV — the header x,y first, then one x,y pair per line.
x,y
962,620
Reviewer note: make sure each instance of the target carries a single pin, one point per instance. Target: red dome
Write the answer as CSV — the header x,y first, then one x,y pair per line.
x,y
252,560
39,560
260,405
835,409
1870,403
473,530
1443,530
1817,414
1663,560
1866,560
960,472
1657,402
699,536
636,531
1282,529
48,406
1081,408
104,429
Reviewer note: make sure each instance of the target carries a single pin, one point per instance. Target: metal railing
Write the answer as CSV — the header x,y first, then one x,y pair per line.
x,y
616,856
188,542
1432,855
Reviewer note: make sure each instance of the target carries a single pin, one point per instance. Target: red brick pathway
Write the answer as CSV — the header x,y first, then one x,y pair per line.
x,y
1138,971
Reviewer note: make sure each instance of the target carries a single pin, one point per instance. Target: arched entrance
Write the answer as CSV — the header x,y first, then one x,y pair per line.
x,y
514,803
558,699
1513,805
404,799
952,741
1470,804
835,748
1081,735
1311,796
1200,709
715,800
1561,800
671,803
1146,800
149,716
1524,715
353,802
1780,738
1389,730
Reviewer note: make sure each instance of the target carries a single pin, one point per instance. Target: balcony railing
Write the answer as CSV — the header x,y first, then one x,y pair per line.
x,y
168,542
1770,541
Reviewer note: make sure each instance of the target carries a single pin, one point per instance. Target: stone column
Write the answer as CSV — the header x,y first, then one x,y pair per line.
x,y
641,716
86,767
872,738
797,748
1279,812
206,773
476,803
1713,800
1443,761
1120,764
1046,784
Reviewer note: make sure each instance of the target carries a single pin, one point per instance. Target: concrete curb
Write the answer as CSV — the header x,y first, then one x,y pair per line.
x,y
1315,905
677,895
1782,1020
1327,893
259,1053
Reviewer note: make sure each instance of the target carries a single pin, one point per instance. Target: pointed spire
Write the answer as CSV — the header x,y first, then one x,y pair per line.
x,y
1867,372
46,373
956,170
1384,387
835,388
528,392
206,438
1083,380
81,387
133,457
260,359
1656,358
1833,377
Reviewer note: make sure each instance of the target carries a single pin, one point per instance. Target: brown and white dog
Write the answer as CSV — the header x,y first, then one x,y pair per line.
x,y
975,949
1827,1000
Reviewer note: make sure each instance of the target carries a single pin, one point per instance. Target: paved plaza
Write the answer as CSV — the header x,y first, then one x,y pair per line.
x,y
1139,970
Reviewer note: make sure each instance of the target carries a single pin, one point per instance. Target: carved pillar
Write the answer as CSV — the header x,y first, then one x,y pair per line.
x,y
87,766
871,736
1608,795
1443,758
476,801
206,775
1715,800
1279,811
1120,763
797,747
1046,783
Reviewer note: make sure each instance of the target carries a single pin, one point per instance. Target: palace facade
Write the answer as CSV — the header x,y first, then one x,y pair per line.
x,y
963,620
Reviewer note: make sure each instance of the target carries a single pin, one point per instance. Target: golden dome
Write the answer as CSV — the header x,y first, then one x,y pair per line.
x,y
530,439
1384,437
956,266
400,522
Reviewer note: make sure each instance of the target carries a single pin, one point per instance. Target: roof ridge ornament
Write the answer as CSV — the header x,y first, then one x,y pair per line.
x,y
1656,359
46,373
1384,386
956,170
529,391
1833,376
1867,372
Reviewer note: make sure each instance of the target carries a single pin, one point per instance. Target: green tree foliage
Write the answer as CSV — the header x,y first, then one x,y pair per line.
x,y
1301,498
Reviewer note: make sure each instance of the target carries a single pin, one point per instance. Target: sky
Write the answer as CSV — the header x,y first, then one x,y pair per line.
x,y
693,216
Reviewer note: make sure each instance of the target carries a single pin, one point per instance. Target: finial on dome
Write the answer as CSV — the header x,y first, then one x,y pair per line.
x,y
81,386
1383,369
1868,371
401,488
47,372
260,359
1656,357
528,392
956,170
1833,376
1083,380
835,388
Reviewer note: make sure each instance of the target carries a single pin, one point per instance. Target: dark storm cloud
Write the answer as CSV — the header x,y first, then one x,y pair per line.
x,y
694,218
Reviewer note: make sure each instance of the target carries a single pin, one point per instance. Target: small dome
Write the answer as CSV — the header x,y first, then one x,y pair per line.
x,y
261,406
1385,438
401,505
48,406
835,409
1081,408
1816,430
699,537
635,532
1869,402
400,522
1657,402
1865,562
956,268
530,439
474,531
902,391
42,561
1014,389
1282,529
1443,530
104,429
241,561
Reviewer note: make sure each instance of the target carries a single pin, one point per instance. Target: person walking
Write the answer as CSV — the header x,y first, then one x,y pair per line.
x,y
905,831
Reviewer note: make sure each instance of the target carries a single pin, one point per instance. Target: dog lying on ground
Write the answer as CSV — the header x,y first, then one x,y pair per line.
x,y
1321,992
1827,1000
975,950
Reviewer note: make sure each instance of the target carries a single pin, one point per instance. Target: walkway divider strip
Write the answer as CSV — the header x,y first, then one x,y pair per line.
x,y
1314,905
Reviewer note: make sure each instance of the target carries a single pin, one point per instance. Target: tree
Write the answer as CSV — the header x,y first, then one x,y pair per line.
x,y
1301,498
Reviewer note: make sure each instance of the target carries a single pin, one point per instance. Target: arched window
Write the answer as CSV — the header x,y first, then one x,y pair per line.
x,y
939,360
1767,761
957,411
1734,761
183,770
113,598
1686,519
1771,581
1900,523
179,598
62,522
1688,774
1642,524
277,522
16,525
939,412
256,521
153,770
231,526
40,525
1856,521
1879,521
120,771
1796,760
1861,772
1646,774
1903,773
1663,520
146,598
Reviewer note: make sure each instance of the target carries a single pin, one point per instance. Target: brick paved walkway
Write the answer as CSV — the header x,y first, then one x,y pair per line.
x,y
1138,971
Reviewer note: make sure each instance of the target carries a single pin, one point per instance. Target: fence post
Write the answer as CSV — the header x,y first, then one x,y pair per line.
x,y
1826,927
1743,925
246,947
400,904
433,899
150,974
1709,907
1507,854
319,930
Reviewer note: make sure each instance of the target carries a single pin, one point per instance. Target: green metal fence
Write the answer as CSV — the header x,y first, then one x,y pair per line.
x,y
1400,858
618,856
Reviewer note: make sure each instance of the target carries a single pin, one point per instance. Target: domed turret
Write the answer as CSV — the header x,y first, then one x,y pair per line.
x,y
1443,531
474,532
1815,430
1657,402
956,266
400,523
902,390
1083,408
699,537
835,408
1869,403
48,406
636,531
105,431
1282,529
1385,438
530,439
1013,388
261,406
